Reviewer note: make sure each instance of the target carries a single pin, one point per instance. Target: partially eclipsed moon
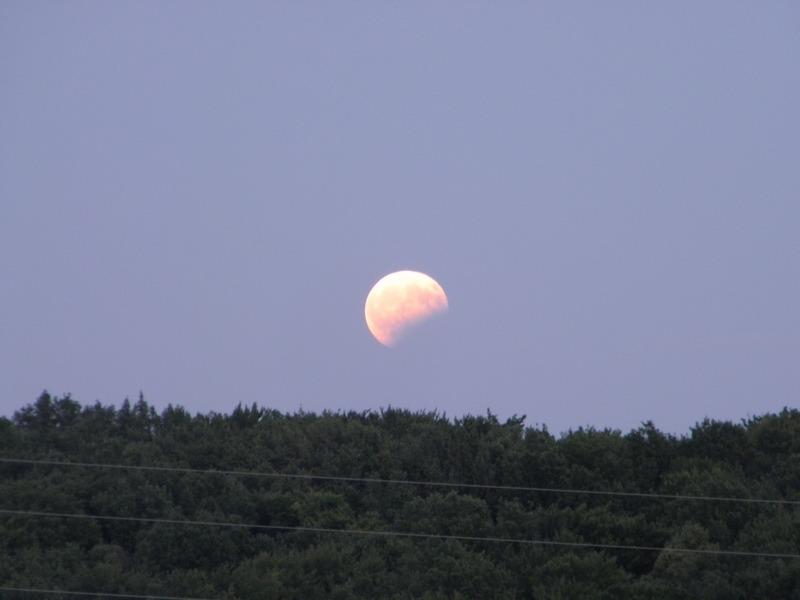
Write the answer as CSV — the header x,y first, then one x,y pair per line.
x,y
401,300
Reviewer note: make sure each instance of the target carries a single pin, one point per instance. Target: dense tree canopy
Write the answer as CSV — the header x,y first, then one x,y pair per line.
x,y
758,458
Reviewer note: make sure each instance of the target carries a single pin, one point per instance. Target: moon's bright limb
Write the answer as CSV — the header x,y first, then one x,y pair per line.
x,y
401,300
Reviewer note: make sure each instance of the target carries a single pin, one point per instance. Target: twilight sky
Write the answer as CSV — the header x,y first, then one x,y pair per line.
x,y
196,198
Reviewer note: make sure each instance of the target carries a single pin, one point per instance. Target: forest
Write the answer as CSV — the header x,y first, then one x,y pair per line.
x,y
391,504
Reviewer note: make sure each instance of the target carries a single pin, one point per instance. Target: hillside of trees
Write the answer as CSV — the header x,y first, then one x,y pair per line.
x,y
290,558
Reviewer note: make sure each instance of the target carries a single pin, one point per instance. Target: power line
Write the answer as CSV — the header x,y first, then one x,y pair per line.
x,y
398,481
398,534
97,594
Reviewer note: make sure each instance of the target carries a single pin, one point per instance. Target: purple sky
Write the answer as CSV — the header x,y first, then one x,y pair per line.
x,y
196,198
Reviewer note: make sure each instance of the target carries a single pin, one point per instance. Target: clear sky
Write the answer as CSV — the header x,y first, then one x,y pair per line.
x,y
196,198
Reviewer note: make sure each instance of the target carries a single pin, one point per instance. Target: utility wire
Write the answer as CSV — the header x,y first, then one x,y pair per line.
x,y
97,594
509,488
399,534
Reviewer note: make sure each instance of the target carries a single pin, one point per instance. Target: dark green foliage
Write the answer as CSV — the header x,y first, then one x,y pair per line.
x,y
759,458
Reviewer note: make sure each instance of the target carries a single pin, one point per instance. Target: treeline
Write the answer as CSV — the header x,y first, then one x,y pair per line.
x,y
755,459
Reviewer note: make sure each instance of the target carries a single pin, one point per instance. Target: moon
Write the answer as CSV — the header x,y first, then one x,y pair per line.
x,y
400,301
